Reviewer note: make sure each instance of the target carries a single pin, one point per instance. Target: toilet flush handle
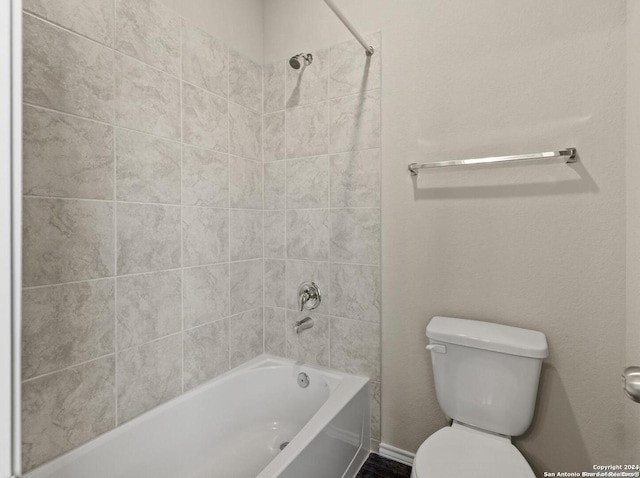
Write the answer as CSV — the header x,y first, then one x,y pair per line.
x,y
441,349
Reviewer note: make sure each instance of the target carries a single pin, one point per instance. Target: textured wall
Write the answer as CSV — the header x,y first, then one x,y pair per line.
x,y
322,209
632,418
142,215
539,246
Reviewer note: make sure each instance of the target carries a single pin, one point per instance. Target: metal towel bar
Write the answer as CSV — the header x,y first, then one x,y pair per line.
x,y
570,155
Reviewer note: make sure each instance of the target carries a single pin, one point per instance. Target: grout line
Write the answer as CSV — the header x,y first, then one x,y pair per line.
x,y
58,284
287,272
153,341
181,208
112,48
329,219
113,354
115,227
176,205
113,125
229,189
175,269
264,182
84,362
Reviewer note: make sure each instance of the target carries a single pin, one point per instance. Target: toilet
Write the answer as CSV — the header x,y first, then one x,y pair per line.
x,y
486,379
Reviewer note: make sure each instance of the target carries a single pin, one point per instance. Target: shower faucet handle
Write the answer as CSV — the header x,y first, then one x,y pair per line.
x,y
309,296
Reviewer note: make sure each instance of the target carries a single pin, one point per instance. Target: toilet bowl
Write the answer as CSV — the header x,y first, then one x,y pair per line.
x,y
486,379
459,451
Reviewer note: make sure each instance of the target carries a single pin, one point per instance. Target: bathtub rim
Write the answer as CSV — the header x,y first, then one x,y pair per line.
x,y
343,387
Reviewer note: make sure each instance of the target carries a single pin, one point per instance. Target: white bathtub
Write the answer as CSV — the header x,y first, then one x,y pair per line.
x,y
233,426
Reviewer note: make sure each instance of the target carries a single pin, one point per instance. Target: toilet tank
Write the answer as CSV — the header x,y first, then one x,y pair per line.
x,y
486,375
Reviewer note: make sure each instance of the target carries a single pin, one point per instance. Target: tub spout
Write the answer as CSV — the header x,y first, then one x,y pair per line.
x,y
303,324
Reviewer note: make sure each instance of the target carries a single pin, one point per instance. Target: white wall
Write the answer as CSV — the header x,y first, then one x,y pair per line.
x,y
540,246
238,23
633,218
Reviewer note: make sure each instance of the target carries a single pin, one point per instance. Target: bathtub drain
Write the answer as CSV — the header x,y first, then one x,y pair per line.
x,y
283,445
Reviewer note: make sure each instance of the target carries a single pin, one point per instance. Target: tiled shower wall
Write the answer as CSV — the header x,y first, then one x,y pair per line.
x,y
322,209
146,223
143,215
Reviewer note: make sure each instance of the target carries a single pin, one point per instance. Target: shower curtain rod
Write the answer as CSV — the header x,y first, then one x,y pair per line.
x,y
368,49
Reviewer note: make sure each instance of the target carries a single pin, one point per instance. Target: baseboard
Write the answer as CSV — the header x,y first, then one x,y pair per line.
x,y
396,454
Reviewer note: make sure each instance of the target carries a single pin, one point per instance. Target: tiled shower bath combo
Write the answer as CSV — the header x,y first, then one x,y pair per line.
x,y
176,195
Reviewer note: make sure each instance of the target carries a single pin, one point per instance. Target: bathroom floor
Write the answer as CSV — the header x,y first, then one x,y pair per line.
x,y
379,467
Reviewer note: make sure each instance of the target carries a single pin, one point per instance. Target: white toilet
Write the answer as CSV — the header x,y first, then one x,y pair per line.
x,y
486,378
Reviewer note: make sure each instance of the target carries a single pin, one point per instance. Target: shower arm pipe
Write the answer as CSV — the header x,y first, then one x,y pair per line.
x,y
368,48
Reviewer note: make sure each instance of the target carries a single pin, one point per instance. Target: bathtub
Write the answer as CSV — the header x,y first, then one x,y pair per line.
x,y
234,426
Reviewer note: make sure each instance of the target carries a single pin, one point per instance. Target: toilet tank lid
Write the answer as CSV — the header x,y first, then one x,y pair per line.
x,y
489,336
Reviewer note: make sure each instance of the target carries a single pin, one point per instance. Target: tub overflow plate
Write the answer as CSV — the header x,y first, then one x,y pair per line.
x,y
303,380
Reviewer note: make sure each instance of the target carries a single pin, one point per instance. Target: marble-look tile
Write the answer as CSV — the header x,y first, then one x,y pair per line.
x,y
149,307
352,71
147,100
149,31
205,178
308,234
273,77
307,131
65,72
311,345
246,336
148,376
246,285
246,234
275,336
273,133
148,238
303,271
205,61
245,132
245,81
204,119
355,292
355,235
91,18
206,353
206,294
374,394
147,168
66,324
66,240
205,235
274,283
308,183
245,183
355,122
274,234
275,185
66,409
65,156
355,179
309,84
355,347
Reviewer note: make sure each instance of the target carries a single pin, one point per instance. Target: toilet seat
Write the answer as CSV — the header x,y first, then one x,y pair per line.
x,y
459,452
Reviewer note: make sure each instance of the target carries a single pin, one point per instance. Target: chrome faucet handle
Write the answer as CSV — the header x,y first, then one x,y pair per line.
x,y
303,324
309,296
303,298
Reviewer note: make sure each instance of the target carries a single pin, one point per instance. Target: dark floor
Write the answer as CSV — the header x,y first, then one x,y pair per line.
x,y
378,467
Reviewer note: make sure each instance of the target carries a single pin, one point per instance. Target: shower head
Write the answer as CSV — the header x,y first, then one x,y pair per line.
x,y
300,59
